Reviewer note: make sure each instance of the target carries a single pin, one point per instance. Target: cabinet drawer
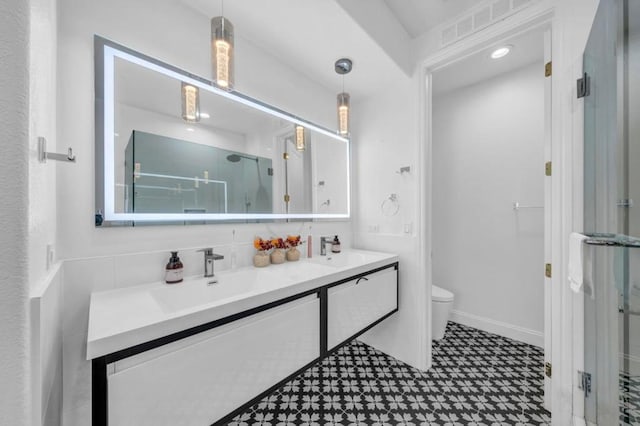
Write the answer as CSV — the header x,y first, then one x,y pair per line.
x,y
356,304
198,381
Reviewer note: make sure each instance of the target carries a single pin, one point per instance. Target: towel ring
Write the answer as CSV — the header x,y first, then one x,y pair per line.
x,y
390,205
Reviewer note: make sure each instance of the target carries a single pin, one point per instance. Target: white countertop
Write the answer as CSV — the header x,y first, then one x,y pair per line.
x,y
122,318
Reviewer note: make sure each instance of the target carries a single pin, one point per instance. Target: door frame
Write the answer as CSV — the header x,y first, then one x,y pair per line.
x,y
526,21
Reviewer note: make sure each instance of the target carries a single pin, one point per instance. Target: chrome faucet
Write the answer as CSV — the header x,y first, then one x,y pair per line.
x,y
209,257
323,245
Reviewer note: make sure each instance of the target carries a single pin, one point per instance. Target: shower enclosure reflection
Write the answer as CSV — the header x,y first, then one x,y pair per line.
x,y
201,179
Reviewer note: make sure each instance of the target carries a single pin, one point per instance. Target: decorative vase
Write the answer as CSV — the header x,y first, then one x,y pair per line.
x,y
261,259
277,256
293,254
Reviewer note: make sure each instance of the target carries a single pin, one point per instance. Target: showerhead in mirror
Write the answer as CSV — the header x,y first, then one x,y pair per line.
x,y
234,158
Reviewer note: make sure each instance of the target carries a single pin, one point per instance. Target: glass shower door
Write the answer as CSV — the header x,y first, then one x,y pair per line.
x,y
612,180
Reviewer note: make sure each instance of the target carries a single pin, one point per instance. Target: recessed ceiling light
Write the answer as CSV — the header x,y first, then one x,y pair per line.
x,y
205,115
501,52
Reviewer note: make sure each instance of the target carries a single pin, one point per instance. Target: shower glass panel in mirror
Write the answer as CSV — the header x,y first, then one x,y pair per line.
x,y
173,148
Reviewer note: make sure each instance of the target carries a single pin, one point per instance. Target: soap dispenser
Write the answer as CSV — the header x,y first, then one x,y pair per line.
x,y
335,245
174,269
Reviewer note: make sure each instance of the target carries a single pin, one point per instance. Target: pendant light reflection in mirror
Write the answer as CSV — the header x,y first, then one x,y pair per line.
x,y
300,139
222,51
343,66
190,103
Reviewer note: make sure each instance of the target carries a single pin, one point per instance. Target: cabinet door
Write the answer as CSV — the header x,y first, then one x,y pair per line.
x,y
200,379
356,304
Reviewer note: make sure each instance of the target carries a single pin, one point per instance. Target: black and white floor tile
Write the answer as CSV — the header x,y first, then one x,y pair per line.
x,y
477,378
629,399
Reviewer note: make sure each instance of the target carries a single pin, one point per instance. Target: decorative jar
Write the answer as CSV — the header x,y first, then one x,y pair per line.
x,y
261,259
277,256
293,254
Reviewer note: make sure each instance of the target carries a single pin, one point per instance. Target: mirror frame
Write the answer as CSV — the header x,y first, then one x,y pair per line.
x,y
105,52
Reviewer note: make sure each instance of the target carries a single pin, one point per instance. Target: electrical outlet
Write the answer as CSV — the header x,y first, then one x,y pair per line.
x,y
50,255
408,228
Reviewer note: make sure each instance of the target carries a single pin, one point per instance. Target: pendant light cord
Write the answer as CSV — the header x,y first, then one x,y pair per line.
x,y
222,9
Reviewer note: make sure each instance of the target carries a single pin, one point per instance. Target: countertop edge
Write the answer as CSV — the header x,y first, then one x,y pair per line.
x,y
102,346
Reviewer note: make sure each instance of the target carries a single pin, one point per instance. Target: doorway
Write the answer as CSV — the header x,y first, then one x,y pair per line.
x,y
490,210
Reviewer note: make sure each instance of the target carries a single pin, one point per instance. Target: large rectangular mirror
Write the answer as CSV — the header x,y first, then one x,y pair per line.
x,y
171,147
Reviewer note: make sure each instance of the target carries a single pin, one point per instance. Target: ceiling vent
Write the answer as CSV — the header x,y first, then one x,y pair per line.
x,y
480,17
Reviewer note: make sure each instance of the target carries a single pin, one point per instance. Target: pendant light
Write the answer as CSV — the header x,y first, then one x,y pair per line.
x,y
343,66
190,103
222,51
300,140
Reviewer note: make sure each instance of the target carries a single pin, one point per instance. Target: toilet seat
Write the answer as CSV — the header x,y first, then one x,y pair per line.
x,y
440,294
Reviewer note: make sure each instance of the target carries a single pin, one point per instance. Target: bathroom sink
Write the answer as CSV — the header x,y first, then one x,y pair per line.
x,y
231,285
341,260
196,292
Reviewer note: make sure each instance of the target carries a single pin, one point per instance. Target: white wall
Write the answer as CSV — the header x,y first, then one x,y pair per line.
x,y
104,258
385,139
131,24
46,349
14,214
488,152
42,111
27,215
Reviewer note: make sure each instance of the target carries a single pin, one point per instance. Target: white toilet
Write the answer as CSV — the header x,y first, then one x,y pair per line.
x,y
441,303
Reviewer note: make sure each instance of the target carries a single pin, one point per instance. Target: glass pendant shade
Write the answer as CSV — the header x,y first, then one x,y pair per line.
x,y
222,52
343,114
190,103
300,142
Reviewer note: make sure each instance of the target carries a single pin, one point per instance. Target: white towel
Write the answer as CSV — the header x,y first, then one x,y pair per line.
x,y
576,260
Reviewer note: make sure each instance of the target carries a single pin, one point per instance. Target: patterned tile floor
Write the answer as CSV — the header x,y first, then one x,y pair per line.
x,y
629,399
477,378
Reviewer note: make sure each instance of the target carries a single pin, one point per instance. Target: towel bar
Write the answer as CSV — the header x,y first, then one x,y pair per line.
x,y
517,206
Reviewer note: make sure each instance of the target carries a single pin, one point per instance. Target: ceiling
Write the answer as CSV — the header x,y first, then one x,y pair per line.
x,y
309,36
419,16
527,48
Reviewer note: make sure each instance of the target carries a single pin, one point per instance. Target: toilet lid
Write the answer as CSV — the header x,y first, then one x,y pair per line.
x,y
440,294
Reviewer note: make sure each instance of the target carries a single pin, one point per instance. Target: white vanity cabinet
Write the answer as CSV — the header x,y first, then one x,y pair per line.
x,y
200,379
356,304
154,363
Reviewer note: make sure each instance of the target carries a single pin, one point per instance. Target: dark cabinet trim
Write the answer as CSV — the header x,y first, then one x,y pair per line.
x,y
99,383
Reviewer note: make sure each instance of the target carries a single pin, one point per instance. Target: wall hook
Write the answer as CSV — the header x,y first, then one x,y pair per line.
x,y
43,154
403,170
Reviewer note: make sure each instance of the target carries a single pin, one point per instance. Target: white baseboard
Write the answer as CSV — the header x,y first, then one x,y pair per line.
x,y
578,421
532,337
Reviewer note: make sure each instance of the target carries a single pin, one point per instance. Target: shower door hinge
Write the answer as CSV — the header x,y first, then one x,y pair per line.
x,y
547,369
584,382
584,86
548,68
547,168
547,270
